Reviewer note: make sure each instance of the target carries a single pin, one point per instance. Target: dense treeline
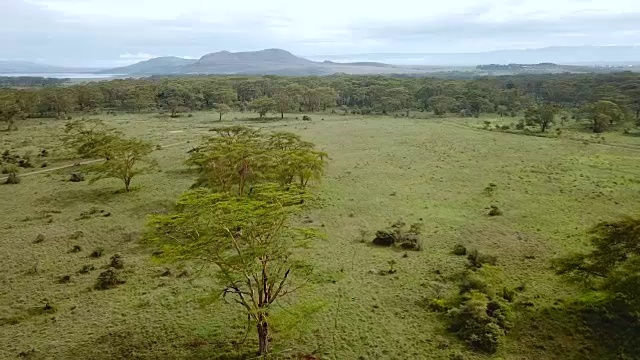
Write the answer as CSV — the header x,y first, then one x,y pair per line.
x,y
29,81
591,96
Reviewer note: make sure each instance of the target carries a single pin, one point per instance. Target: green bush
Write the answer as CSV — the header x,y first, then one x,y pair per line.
x,y
494,211
397,235
478,259
459,250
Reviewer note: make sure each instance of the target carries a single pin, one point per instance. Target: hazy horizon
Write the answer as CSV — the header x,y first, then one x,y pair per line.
x,y
109,33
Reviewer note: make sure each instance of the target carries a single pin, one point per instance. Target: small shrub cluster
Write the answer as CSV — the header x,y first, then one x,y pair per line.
x,y
306,118
477,259
494,211
23,161
480,320
459,250
76,177
108,279
399,236
490,189
479,314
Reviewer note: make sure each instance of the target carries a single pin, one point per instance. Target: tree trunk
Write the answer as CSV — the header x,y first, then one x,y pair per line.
x,y
127,185
282,115
220,116
263,337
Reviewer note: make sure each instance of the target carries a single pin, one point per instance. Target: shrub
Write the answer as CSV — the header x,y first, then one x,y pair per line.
x,y
520,125
306,118
76,177
478,259
494,211
459,250
98,252
108,279
398,236
490,189
86,269
25,161
75,249
64,279
116,261
12,179
40,238
480,321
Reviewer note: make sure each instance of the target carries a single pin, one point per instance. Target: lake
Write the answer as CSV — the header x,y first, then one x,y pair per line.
x,y
64,75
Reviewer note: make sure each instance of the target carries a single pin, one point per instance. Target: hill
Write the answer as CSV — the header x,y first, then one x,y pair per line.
x,y
566,55
268,61
163,65
12,66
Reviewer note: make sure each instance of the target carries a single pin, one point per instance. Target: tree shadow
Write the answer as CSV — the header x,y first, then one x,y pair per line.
x,y
64,198
578,330
147,343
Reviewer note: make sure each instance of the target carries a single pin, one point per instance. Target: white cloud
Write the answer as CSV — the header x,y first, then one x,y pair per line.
x,y
138,56
133,30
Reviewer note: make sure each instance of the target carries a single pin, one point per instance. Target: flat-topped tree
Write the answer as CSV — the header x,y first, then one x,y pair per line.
x,y
124,158
249,239
222,109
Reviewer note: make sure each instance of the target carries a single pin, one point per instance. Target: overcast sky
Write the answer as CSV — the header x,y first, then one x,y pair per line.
x,y
118,32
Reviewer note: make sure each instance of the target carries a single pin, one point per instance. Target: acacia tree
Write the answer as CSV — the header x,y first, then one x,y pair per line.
x,y
263,105
283,102
222,109
542,115
613,266
88,137
125,159
603,114
9,109
239,157
248,238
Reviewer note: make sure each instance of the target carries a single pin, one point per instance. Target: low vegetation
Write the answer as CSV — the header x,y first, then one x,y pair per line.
x,y
245,239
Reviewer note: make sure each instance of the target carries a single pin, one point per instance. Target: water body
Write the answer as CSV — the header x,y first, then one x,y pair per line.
x,y
64,75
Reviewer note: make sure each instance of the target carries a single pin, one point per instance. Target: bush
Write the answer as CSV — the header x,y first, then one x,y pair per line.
x,y
480,321
459,250
40,238
490,189
478,259
76,177
116,261
86,269
494,211
306,118
97,253
12,179
10,169
108,279
398,236
520,125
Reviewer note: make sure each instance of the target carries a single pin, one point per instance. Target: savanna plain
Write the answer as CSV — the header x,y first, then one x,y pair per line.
x,y
363,301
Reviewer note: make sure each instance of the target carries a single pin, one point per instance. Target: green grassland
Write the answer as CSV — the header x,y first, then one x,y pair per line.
x,y
381,169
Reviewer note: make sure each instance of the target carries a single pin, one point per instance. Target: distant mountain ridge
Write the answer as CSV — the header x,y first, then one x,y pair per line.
x,y
563,55
282,62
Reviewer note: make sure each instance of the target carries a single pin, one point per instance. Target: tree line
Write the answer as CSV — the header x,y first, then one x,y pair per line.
x,y
577,94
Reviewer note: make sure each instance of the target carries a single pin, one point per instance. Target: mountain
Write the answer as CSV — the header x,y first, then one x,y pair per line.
x,y
263,61
566,55
159,65
26,67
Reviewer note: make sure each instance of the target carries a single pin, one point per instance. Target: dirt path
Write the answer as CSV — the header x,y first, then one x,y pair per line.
x,y
87,162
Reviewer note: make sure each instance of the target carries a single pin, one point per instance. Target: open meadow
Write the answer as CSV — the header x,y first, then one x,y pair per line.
x,y
56,236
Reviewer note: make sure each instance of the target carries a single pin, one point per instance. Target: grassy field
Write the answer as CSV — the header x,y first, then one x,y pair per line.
x,y
382,169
